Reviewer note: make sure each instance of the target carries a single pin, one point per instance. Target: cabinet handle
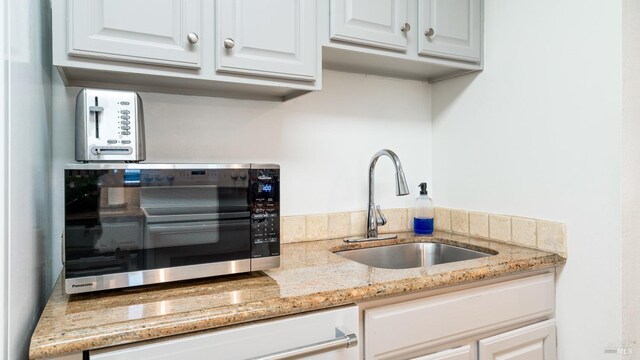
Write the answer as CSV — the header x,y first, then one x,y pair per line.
x,y
344,339
430,32
405,28
192,38
229,43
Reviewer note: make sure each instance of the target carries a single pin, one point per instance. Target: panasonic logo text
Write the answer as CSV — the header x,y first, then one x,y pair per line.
x,y
81,285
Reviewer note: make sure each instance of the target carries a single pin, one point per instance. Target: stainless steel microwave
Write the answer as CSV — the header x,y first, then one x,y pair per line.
x,y
137,224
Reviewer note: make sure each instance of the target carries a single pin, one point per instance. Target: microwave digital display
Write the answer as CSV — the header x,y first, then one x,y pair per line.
x,y
265,188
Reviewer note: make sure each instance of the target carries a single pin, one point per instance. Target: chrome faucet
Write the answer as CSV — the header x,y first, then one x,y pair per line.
x,y
375,217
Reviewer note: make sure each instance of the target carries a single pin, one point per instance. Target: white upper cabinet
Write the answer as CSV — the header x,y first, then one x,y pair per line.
x,y
275,38
255,49
387,37
164,32
379,23
267,50
450,29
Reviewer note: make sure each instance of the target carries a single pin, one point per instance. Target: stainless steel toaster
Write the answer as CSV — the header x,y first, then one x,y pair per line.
x,y
109,126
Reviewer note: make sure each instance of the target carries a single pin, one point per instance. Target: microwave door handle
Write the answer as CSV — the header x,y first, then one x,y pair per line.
x,y
158,219
182,227
194,226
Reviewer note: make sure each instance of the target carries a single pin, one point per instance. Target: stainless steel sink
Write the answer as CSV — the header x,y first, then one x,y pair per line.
x,y
406,256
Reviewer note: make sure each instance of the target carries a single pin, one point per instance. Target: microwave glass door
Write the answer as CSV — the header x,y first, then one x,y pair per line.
x,y
124,220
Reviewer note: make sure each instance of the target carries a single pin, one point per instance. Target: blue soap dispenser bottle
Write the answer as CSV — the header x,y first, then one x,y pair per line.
x,y
423,213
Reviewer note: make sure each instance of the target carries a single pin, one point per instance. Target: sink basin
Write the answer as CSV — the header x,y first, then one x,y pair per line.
x,y
406,256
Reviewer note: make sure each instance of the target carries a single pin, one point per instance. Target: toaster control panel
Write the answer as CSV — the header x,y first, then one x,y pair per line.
x,y
265,212
109,126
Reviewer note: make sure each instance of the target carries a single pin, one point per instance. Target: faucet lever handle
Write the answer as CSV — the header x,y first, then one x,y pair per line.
x,y
382,220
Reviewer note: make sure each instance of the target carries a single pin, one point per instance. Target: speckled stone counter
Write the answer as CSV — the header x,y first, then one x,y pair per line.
x,y
311,277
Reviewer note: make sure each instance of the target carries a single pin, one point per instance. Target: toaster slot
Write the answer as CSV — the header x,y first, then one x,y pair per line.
x,y
95,110
111,150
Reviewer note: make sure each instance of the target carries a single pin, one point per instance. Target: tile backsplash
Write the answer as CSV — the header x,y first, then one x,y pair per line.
x,y
534,233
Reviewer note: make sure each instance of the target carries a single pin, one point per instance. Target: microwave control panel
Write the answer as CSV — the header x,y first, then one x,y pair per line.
x,y
265,212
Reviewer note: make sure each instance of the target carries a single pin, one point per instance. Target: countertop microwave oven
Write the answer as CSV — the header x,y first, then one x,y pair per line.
x,y
137,224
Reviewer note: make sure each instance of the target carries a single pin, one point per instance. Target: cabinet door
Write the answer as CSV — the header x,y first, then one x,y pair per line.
x,y
372,23
450,28
275,38
461,353
534,342
136,30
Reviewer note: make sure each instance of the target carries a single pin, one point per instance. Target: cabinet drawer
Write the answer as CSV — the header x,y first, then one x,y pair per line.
x,y
395,329
248,341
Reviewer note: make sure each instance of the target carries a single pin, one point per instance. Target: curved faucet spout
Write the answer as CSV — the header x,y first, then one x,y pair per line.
x,y
401,189
401,182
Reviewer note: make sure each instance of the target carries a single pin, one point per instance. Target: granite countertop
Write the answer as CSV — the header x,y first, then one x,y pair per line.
x,y
310,278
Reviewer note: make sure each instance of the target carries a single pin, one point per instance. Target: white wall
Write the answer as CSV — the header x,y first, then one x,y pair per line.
x,y
29,162
537,134
4,116
630,173
323,140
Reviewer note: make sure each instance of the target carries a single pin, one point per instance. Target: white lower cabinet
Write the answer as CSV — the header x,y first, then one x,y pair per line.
x,y
534,342
255,340
467,319
507,320
459,353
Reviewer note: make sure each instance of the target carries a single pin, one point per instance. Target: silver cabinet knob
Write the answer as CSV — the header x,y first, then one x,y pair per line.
x,y
192,38
430,32
405,28
229,43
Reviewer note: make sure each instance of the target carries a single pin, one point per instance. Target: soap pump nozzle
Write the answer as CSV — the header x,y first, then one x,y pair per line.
x,y
423,188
